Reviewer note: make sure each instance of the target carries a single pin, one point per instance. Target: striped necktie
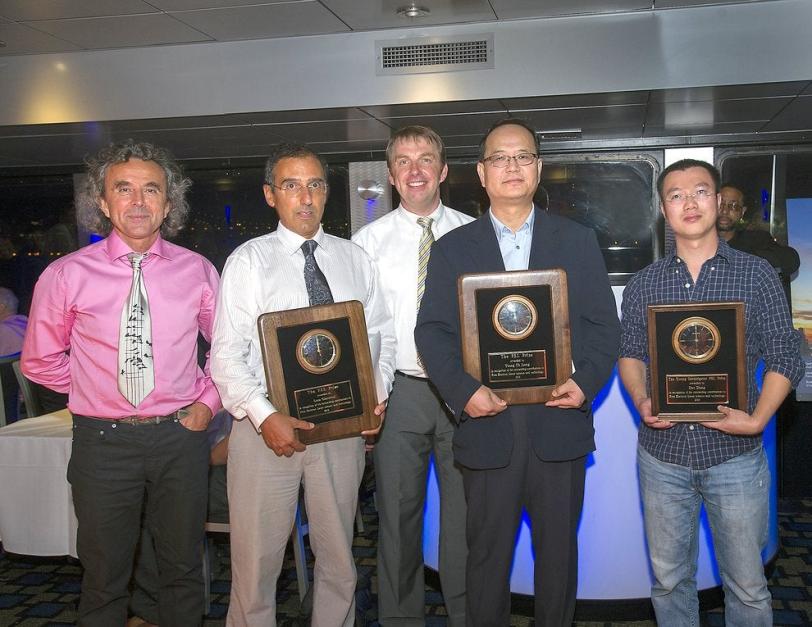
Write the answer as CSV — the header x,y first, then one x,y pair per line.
x,y
426,240
136,376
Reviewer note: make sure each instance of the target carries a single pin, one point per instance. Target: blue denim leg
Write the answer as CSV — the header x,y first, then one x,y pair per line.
x,y
671,512
736,496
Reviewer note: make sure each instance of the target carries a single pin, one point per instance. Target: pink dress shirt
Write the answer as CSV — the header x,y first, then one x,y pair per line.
x,y
72,340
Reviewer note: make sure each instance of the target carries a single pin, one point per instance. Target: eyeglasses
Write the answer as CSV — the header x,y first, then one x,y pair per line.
x,y
293,188
700,195
502,161
731,205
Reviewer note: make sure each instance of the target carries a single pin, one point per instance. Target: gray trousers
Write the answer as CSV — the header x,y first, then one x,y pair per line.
x,y
417,426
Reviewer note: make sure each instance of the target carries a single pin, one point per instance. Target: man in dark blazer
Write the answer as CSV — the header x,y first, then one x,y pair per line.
x,y
528,457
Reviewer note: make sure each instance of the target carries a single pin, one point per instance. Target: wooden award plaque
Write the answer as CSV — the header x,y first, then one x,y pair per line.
x,y
318,368
516,333
696,360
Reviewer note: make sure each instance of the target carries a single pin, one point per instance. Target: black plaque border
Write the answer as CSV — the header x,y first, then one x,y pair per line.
x,y
663,359
555,317
281,365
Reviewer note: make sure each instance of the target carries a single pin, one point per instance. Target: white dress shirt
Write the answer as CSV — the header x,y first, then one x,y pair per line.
x,y
393,241
267,274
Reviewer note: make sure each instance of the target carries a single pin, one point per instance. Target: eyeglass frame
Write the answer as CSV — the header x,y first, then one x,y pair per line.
x,y
700,195
297,188
731,205
492,160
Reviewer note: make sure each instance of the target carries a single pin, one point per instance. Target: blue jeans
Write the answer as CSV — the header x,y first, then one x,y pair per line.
x,y
736,498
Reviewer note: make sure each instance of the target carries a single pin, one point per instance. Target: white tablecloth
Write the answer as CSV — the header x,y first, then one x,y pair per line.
x,y
36,505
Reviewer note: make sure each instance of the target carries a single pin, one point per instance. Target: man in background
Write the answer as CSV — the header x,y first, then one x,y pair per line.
x,y
115,325
12,324
732,210
418,424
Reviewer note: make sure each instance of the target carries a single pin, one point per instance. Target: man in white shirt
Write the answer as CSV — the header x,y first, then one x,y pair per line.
x,y
418,423
291,267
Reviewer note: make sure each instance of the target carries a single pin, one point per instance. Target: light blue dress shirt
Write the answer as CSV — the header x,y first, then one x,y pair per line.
x,y
515,247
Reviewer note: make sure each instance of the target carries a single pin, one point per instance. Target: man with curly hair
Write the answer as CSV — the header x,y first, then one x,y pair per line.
x,y
115,325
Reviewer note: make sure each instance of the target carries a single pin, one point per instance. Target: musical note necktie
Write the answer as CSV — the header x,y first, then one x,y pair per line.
x,y
136,377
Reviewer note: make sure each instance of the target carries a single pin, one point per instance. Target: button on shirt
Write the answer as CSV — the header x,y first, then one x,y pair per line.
x,y
72,343
728,276
393,242
515,247
267,274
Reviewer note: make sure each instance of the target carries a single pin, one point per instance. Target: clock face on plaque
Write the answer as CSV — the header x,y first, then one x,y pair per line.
x,y
515,317
318,351
696,340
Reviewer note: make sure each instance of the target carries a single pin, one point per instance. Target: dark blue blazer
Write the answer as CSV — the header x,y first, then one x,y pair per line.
x,y
556,434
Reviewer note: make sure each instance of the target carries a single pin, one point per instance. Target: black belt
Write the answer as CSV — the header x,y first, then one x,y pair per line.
x,y
412,377
136,421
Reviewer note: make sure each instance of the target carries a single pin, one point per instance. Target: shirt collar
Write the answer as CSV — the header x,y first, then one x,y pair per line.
x,y
436,215
723,251
502,229
116,247
292,242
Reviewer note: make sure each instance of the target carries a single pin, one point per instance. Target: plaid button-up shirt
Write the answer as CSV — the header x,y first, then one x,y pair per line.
x,y
729,275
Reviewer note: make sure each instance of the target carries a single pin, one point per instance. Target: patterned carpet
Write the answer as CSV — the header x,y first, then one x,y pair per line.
x,y
35,592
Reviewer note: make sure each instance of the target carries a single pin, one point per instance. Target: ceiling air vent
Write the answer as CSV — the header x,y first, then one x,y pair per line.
x,y
434,54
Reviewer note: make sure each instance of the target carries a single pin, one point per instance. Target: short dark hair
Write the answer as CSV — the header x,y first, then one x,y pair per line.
x,y
504,122
414,133
290,151
90,215
687,164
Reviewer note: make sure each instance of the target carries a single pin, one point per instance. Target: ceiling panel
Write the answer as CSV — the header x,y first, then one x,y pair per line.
x,y
447,125
349,130
710,129
188,5
422,109
797,116
577,100
515,9
263,21
629,118
122,32
375,14
724,92
680,114
20,39
20,10
675,4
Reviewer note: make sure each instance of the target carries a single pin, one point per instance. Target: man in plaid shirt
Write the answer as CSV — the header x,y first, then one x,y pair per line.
x,y
721,464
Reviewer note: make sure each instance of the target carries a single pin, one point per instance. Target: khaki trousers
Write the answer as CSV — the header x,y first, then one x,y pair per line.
x,y
263,492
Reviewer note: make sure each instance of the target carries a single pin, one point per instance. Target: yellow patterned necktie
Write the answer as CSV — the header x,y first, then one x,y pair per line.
x,y
426,240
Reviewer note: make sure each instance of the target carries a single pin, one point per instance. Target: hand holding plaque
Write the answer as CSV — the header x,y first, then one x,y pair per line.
x,y
697,360
515,332
318,369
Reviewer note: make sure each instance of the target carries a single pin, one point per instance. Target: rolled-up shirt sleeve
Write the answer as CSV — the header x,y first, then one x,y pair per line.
x,y
778,340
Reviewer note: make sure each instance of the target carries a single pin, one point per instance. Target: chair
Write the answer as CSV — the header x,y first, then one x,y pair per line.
x,y
32,405
7,386
299,557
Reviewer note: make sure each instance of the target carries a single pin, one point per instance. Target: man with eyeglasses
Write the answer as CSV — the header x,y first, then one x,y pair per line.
x,y
418,425
756,242
297,265
719,464
529,457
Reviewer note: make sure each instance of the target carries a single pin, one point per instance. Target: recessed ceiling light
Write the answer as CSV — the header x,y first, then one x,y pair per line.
x,y
413,10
